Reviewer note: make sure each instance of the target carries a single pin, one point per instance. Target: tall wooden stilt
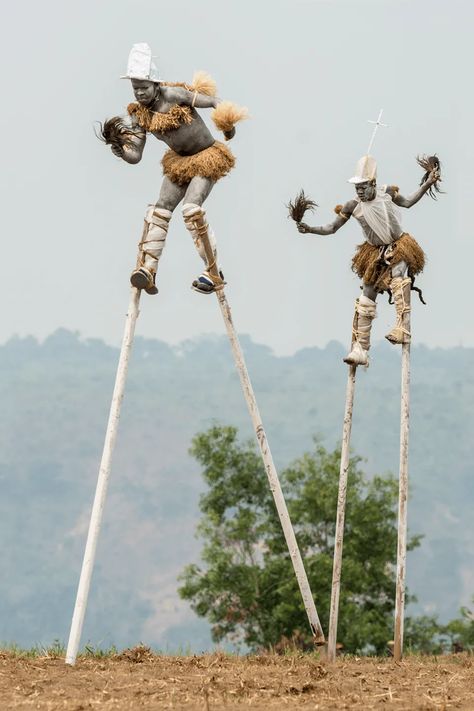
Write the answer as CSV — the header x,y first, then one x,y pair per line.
x,y
403,491
103,480
341,512
271,472
270,468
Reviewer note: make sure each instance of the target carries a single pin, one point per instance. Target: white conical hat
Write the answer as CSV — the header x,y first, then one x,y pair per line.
x,y
140,64
366,170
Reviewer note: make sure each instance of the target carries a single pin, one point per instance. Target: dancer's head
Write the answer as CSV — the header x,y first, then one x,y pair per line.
x,y
366,191
146,92
142,72
365,178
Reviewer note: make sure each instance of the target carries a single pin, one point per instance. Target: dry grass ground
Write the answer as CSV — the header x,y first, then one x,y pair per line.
x,y
136,679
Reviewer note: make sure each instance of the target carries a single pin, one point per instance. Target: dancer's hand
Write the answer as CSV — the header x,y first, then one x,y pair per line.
x,y
229,134
303,228
117,150
434,176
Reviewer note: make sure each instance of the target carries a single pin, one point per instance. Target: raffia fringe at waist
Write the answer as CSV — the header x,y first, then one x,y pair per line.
x,y
370,262
213,162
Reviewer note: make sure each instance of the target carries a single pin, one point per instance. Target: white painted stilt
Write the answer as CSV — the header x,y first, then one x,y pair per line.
x,y
103,480
403,492
341,512
271,472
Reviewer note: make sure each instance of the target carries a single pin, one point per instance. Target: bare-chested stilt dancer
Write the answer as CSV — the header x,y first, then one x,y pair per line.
x,y
390,258
191,166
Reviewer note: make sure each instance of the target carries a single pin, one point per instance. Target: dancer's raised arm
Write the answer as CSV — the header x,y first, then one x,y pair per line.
x,y
415,197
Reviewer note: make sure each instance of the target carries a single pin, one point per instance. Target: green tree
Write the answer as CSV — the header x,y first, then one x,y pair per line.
x,y
245,586
424,635
427,635
460,631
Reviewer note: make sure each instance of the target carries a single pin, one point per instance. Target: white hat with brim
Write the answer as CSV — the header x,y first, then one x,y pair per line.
x,y
140,64
366,170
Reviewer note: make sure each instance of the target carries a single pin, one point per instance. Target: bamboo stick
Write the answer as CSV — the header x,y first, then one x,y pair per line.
x,y
103,480
341,512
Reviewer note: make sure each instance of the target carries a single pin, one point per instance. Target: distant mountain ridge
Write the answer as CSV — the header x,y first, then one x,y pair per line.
x,y
56,396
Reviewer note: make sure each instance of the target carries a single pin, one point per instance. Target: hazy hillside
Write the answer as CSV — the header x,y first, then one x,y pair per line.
x,y
55,399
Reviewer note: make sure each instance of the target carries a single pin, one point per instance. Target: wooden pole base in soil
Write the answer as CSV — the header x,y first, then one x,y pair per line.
x,y
103,480
403,491
270,468
341,512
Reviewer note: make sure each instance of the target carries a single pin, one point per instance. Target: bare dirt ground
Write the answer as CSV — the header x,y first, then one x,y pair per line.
x,y
136,679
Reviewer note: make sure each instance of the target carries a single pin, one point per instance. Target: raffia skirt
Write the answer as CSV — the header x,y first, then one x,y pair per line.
x,y
213,162
374,264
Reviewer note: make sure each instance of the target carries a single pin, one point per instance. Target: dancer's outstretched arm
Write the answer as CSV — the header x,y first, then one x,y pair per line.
x,y
332,227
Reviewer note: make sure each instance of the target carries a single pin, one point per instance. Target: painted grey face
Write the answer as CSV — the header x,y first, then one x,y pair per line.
x,y
145,91
366,191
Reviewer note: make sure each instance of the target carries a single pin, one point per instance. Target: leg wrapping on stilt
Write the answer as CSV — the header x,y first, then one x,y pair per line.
x,y
203,236
150,248
400,287
365,312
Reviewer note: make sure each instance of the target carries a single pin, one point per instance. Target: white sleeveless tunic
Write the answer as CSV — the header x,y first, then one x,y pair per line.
x,y
379,218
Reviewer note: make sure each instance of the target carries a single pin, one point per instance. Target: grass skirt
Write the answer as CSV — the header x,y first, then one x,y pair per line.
x,y
213,162
374,264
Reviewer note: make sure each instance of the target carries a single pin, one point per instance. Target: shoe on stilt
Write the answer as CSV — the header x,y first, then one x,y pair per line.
x,y
143,278
205,284
357,356
398,336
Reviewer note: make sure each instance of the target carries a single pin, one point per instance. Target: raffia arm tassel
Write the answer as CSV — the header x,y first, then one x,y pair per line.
x,y
203,83
226,115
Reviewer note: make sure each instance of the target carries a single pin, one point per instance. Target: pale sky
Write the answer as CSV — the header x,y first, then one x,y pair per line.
x,y
311,73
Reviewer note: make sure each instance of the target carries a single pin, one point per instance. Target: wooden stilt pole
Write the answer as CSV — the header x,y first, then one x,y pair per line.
x,y
270,468
403,490
103,480
271,472
341,512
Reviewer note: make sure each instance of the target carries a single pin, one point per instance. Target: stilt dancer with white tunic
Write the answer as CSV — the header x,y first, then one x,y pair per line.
x,y
388,260
191,166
